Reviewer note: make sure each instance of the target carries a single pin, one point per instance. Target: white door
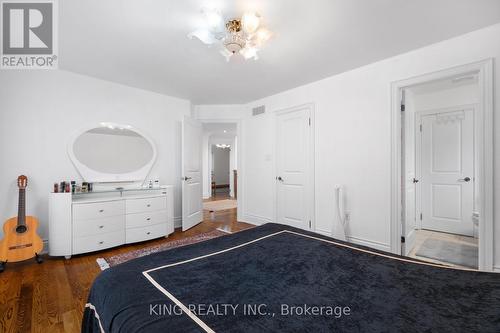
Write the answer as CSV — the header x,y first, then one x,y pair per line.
x,y
447,171
293,180
409,225
192,189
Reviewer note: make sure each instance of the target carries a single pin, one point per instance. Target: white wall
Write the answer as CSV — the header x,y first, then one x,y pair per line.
x,y
220,165
40,110
353,136
462,95
223,112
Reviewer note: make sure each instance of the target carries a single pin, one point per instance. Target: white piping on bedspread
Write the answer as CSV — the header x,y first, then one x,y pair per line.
x,y
179,304
96,315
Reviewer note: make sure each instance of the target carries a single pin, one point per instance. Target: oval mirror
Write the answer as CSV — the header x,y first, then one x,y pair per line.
x,y
112,152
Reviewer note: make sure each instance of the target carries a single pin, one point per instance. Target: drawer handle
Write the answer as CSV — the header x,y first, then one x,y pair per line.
x,y
101,242
101,226
101,211
148,233
148,219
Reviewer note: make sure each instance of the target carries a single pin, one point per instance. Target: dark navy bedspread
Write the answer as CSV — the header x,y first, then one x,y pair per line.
x,y
288,282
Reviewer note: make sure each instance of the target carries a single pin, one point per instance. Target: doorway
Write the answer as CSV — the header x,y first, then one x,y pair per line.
x,y
443,173
220,169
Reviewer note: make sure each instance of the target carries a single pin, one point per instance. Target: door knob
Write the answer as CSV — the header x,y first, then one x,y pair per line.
x,y
186,178
279,178
466,179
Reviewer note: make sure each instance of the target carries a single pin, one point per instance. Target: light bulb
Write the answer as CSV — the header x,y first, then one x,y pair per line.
x,y
250,22
249,52
213,17
262,35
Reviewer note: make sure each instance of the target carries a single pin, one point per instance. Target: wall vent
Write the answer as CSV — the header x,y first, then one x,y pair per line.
x,y
258,110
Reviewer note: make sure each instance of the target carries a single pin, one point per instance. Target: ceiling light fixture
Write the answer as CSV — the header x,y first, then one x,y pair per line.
x,y
222,146
243,35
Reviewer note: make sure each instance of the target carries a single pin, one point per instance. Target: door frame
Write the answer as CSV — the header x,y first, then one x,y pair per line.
x,y
239,161
418,151
311,161
484,70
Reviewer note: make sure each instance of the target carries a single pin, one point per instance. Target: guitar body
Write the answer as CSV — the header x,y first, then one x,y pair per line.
x,y
21,241
20,246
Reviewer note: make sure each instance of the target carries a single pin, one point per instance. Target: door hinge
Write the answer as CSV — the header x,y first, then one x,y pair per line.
x,y
403,239
403,107
421,216
309,121
310,224
420,127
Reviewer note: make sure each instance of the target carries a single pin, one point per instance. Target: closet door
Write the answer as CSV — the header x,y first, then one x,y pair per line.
x,y
293,181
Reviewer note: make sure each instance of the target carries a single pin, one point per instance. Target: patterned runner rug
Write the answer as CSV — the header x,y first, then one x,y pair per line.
x,y
111,261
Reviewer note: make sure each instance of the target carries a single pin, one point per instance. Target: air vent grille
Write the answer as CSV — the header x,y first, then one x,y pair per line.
x,y
258,110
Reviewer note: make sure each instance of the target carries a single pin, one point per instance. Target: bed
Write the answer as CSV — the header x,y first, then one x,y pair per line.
x,y
275,278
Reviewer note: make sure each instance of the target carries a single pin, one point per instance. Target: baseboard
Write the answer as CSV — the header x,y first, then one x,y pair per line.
x,y
177,222
496,269
360,241
45,249
255,219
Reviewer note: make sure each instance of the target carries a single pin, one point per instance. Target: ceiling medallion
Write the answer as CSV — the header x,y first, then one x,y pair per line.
x,y
244,36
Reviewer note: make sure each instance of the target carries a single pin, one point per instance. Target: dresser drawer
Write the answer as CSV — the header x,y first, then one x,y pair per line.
x,y
98,242
83,228
98,210
146,233
146,205
146,219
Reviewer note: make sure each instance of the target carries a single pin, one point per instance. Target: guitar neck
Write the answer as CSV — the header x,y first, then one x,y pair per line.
x,y
21,214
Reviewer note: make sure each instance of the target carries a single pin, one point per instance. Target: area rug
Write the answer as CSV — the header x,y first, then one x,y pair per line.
x,y
107,262
450,252
215,206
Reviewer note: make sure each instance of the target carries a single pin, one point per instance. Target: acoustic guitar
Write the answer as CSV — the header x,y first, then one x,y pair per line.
x,y
21,241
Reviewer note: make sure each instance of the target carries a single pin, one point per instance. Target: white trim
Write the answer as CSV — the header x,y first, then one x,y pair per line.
x,y
255,219
95,176
96,315
311,204
360,241
178,222
485,167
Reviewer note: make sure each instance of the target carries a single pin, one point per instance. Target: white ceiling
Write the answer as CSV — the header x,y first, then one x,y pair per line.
x,y
143,43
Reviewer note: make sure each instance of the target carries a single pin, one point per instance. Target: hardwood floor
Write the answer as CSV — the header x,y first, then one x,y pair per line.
x,y
50,297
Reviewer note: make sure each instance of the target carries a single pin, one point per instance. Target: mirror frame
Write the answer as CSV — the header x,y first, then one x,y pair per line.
x,y
94,176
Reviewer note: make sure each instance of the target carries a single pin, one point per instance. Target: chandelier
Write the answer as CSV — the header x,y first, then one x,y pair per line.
x,y
244,36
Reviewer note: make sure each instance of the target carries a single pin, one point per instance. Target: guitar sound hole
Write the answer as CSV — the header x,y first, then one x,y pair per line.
x,y
20,229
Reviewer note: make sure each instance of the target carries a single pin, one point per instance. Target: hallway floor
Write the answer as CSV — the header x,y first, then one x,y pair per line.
x,y
422,235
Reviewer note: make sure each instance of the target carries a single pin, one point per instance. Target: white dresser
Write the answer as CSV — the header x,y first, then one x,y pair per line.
x,y
92,222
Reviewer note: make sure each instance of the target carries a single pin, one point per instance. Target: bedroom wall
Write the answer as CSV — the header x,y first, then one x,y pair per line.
x,y
40,110
352,137
220,165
